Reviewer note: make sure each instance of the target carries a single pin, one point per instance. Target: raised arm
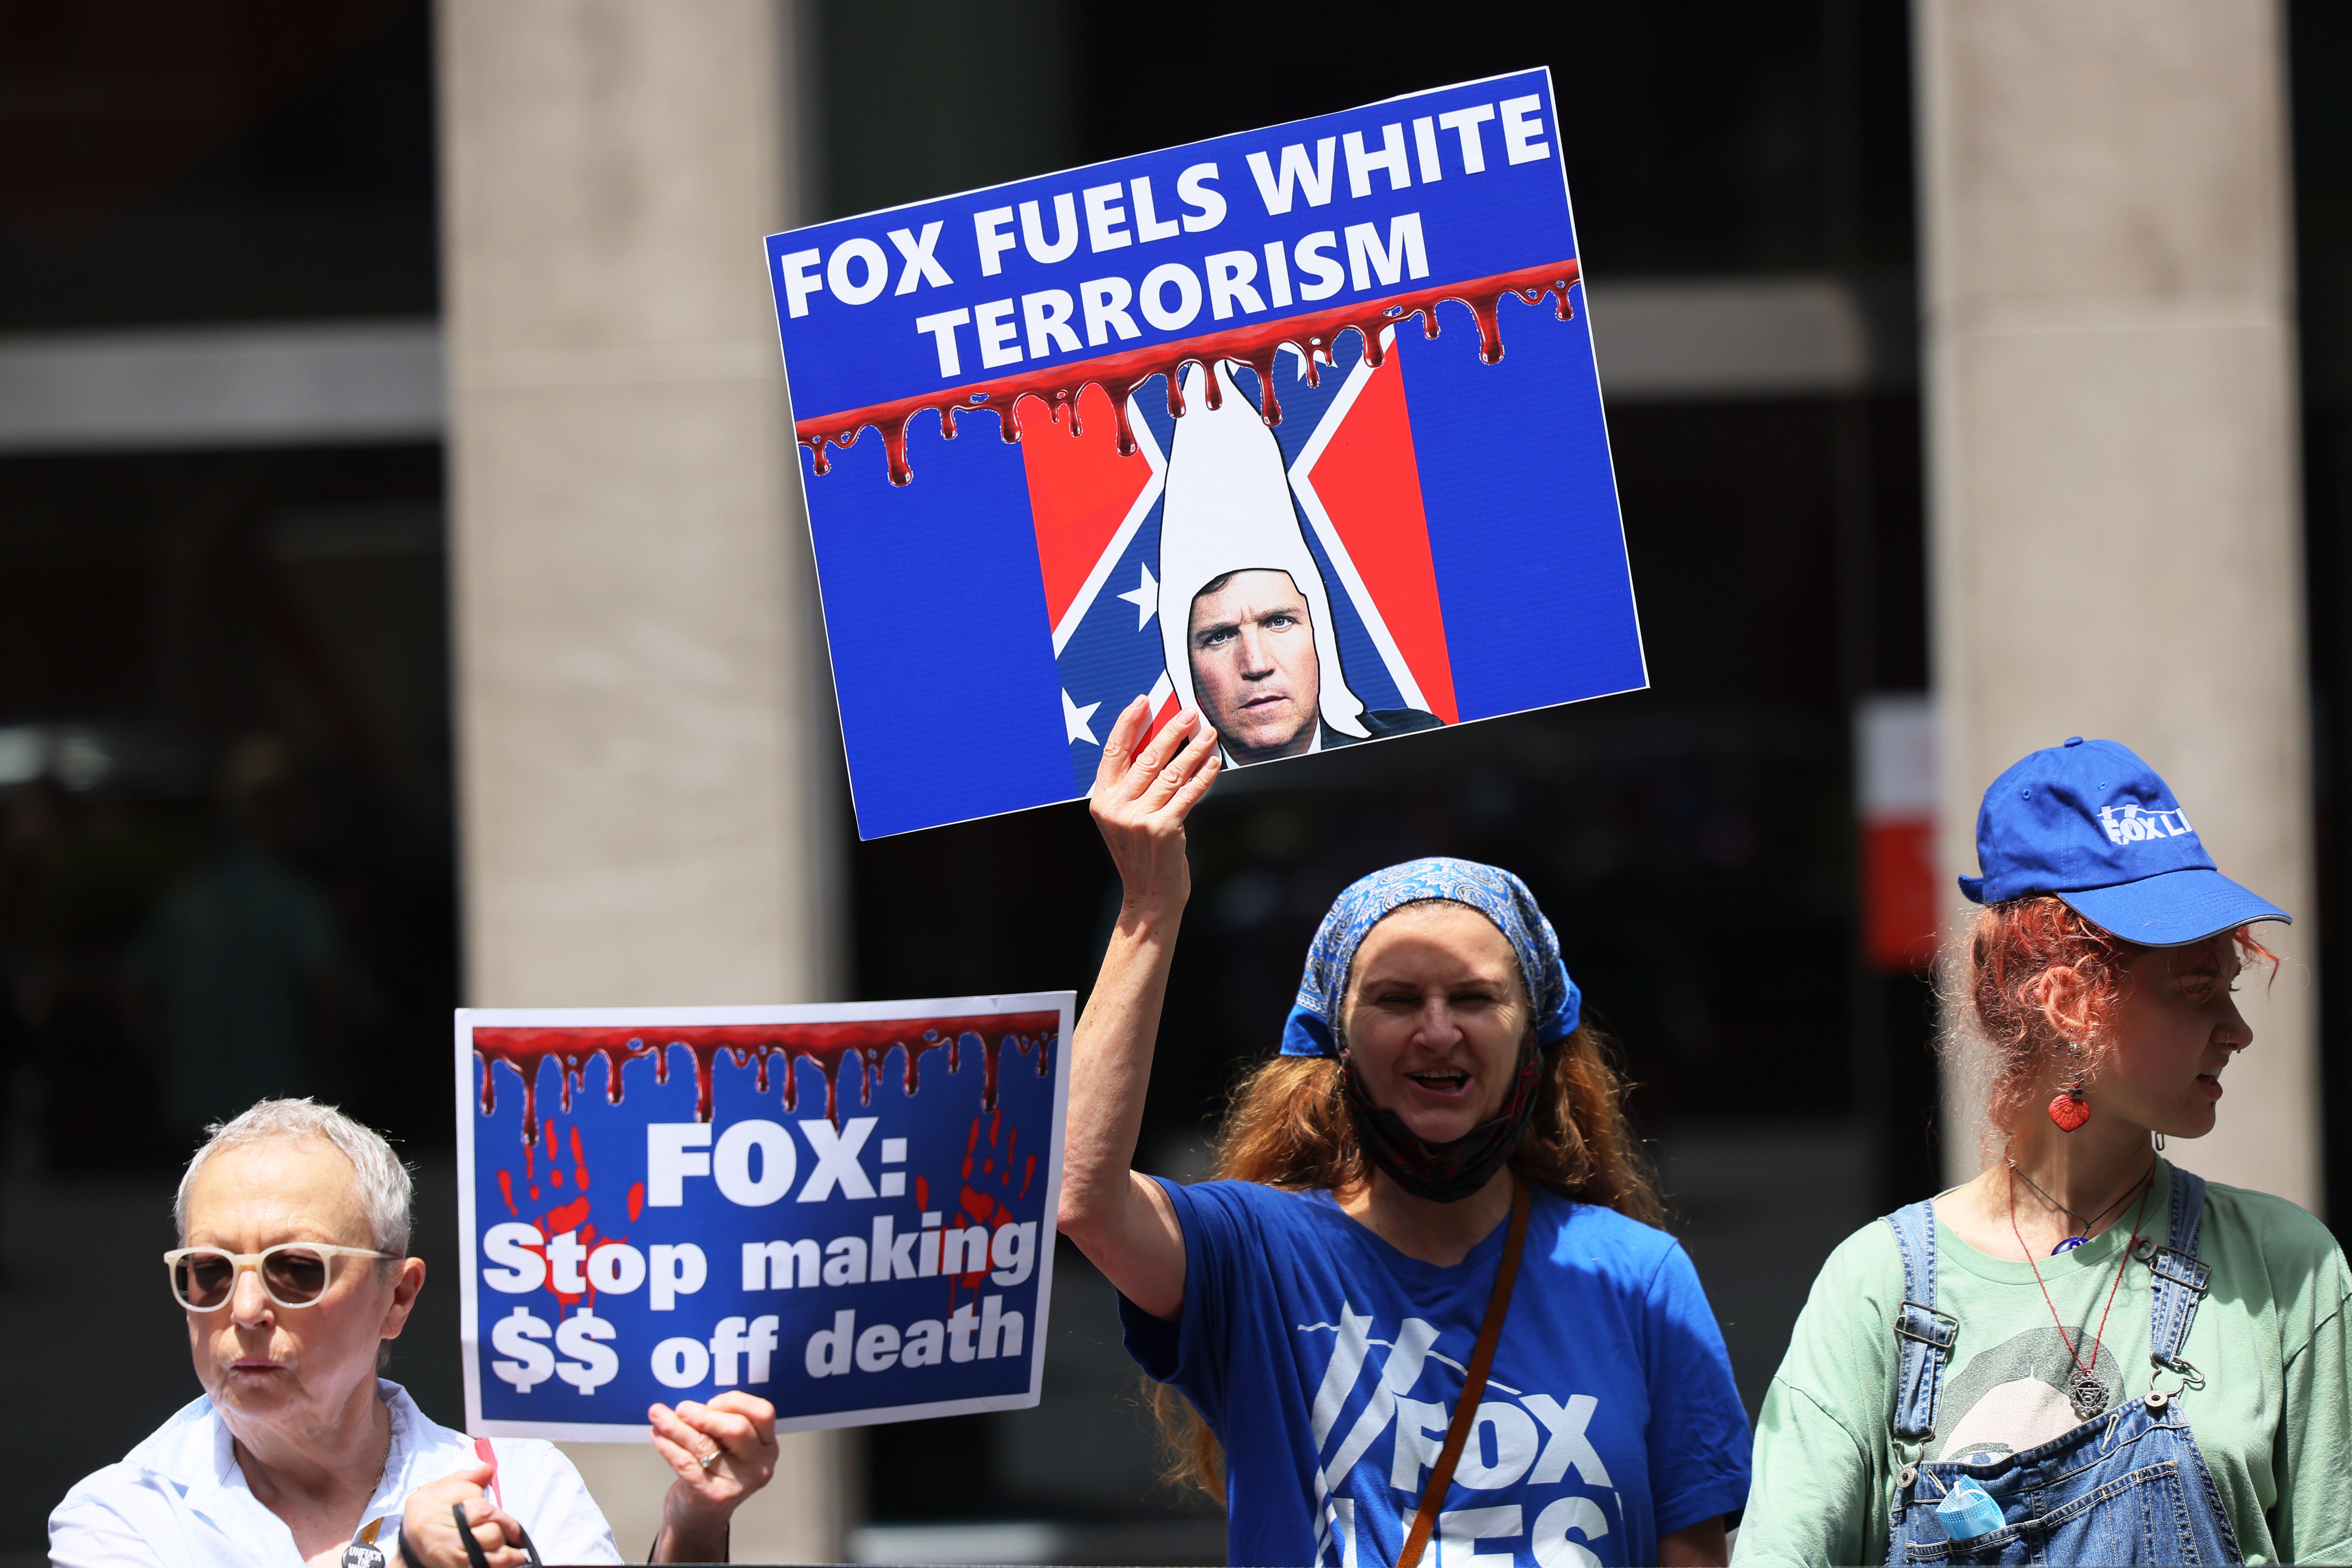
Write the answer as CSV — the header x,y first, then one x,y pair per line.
x,y
1122,1220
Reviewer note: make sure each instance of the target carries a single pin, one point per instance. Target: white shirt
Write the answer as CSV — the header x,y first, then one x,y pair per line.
x,y
179,1499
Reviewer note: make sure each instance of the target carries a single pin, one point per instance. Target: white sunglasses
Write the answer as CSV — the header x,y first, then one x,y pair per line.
x,y
293,1273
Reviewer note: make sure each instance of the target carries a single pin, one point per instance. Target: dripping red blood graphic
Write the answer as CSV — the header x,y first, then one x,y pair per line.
x,y
829,1046
1060,387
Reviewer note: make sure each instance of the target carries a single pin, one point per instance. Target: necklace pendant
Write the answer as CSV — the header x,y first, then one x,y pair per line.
x,y
2069,1244
2088,1394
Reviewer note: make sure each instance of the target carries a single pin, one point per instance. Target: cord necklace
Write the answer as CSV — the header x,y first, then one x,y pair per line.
x,y
2083,1234
2083,1390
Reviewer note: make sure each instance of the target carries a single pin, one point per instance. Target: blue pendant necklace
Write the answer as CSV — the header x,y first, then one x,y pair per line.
x,y
2083,1233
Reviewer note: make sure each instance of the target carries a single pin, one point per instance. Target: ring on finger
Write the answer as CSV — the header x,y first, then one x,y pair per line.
x,y
718,1452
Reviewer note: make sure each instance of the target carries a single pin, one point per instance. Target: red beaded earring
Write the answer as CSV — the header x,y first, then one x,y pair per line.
x,y
2069,1110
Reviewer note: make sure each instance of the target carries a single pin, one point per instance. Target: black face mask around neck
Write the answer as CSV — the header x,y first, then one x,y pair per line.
x,y
1444,1172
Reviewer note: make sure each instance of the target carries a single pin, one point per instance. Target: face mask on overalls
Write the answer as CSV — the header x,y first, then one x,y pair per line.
x,y
2126,1487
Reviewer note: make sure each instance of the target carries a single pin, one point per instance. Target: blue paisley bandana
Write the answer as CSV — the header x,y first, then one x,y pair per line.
x,y
1311,1030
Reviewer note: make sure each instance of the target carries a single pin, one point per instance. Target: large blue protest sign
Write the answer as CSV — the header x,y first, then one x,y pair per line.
x,y
847,1210
1184,425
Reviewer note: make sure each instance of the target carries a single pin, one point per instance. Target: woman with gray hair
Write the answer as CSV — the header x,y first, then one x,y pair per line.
x,y
293,1270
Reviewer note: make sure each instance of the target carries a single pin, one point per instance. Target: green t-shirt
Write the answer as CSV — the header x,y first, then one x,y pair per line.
x,y
2271,1338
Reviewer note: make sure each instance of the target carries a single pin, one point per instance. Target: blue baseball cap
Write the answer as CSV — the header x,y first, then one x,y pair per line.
x,y
2094,825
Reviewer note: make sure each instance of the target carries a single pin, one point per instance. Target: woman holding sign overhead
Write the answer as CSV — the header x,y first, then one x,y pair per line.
x,y
293,1272
1425,1306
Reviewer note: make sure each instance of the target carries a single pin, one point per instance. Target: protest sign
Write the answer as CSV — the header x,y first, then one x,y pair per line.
x,y
847,1210
1184,425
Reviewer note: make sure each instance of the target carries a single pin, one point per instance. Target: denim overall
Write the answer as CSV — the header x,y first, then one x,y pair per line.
x,y
2127,1485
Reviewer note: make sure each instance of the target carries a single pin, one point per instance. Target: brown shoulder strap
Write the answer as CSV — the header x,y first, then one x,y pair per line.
x,y
1474,1381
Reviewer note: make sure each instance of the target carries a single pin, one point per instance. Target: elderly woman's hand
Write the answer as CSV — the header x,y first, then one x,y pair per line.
x,y
723,1452
430,1530
1142,794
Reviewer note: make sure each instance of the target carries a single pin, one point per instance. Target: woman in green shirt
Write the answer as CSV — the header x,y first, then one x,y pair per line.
x,y
2084,1355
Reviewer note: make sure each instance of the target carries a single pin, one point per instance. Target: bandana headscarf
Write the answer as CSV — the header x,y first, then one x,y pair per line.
x,y
1448,1172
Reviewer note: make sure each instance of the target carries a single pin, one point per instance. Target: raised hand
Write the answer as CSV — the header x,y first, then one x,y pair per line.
x,y
723,1452
1142,794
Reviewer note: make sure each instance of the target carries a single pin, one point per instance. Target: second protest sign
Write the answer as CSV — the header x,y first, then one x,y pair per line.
x,y
847,1210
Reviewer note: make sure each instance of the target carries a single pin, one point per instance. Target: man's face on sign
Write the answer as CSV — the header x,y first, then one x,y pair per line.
x,y
1254,673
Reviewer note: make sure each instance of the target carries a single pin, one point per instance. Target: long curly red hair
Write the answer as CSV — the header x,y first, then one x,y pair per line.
x,y
2009,955
1287,1125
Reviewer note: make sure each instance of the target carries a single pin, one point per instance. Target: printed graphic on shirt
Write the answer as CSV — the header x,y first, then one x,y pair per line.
x,y
1380,1420
2014,1396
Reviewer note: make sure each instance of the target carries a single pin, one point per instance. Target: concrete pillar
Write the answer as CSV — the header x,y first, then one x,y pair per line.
x,y
647,756
2116,542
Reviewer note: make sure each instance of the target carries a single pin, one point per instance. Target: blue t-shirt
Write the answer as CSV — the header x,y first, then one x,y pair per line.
x,y
1328,1364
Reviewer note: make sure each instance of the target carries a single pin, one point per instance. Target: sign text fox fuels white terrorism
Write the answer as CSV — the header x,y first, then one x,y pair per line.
x,y
1298,427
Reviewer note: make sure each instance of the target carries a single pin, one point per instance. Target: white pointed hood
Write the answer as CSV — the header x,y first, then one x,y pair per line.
x,y
1228,509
